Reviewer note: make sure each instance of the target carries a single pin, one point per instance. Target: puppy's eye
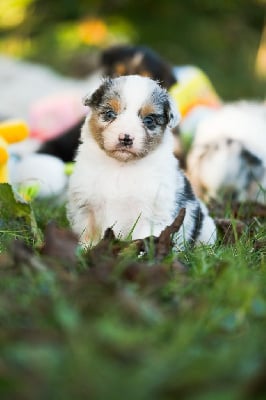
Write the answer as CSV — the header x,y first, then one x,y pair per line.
x,y
109,115
149,122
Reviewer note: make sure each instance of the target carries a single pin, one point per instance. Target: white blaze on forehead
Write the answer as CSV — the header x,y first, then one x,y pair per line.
x,y
137,90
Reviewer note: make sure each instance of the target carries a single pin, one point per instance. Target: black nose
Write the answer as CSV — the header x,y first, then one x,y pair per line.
x,y
126,140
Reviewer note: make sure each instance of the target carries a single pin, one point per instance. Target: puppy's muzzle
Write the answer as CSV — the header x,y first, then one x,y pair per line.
x,y
125,140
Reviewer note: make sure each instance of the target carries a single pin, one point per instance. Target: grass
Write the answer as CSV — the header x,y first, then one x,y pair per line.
x,y
110,325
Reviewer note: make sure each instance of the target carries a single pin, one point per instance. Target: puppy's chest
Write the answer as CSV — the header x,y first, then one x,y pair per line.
x,y
126,193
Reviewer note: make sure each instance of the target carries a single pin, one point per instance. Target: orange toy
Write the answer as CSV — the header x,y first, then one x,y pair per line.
x,y
11,131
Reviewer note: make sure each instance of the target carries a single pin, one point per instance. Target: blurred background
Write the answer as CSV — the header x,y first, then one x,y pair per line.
x,y
226,38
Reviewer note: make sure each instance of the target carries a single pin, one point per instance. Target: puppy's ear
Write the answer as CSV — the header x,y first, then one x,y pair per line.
x,y
96,99
86,100
173,114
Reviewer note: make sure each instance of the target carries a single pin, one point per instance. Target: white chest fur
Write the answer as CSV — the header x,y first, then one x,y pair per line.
x,y
138,194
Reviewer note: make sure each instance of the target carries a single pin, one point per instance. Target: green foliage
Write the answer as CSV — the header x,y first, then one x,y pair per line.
x,y
16,217
221,36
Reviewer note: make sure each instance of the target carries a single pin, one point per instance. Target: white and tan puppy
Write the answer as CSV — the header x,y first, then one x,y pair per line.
x,y
126,176
228,155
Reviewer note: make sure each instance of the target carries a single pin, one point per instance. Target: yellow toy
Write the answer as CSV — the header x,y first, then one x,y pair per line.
x,y
11,131
193,89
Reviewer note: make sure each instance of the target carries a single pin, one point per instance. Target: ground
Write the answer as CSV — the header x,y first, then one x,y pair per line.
x,y
109,324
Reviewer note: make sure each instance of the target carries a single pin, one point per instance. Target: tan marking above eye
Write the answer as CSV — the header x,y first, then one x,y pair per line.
x,y
146,110
115,105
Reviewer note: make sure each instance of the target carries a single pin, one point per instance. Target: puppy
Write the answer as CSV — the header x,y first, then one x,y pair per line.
x,y
126,176
137,60
228,156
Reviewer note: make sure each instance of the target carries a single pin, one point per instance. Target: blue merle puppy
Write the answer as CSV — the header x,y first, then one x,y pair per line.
x,y
125,175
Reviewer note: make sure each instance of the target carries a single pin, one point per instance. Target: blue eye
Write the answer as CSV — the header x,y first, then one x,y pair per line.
x,y
149,122
109,115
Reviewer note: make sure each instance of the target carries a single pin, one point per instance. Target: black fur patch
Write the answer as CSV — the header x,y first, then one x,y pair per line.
x,y
160,100
97,97
186,195
250,158
198,220
188,192
64,146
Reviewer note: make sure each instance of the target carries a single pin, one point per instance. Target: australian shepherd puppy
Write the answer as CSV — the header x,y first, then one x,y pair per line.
x,y
126,176
228,154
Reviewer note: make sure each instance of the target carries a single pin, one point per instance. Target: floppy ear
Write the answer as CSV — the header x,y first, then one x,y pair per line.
x,y
173,114
95,99
86,100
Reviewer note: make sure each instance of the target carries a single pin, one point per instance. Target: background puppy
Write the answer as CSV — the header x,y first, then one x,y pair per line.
x,y
126,176
228,155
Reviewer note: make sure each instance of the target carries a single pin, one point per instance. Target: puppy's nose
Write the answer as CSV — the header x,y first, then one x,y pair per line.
x,y
125,139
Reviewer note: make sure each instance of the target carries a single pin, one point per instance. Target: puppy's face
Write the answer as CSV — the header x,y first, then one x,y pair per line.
x,y
129,116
